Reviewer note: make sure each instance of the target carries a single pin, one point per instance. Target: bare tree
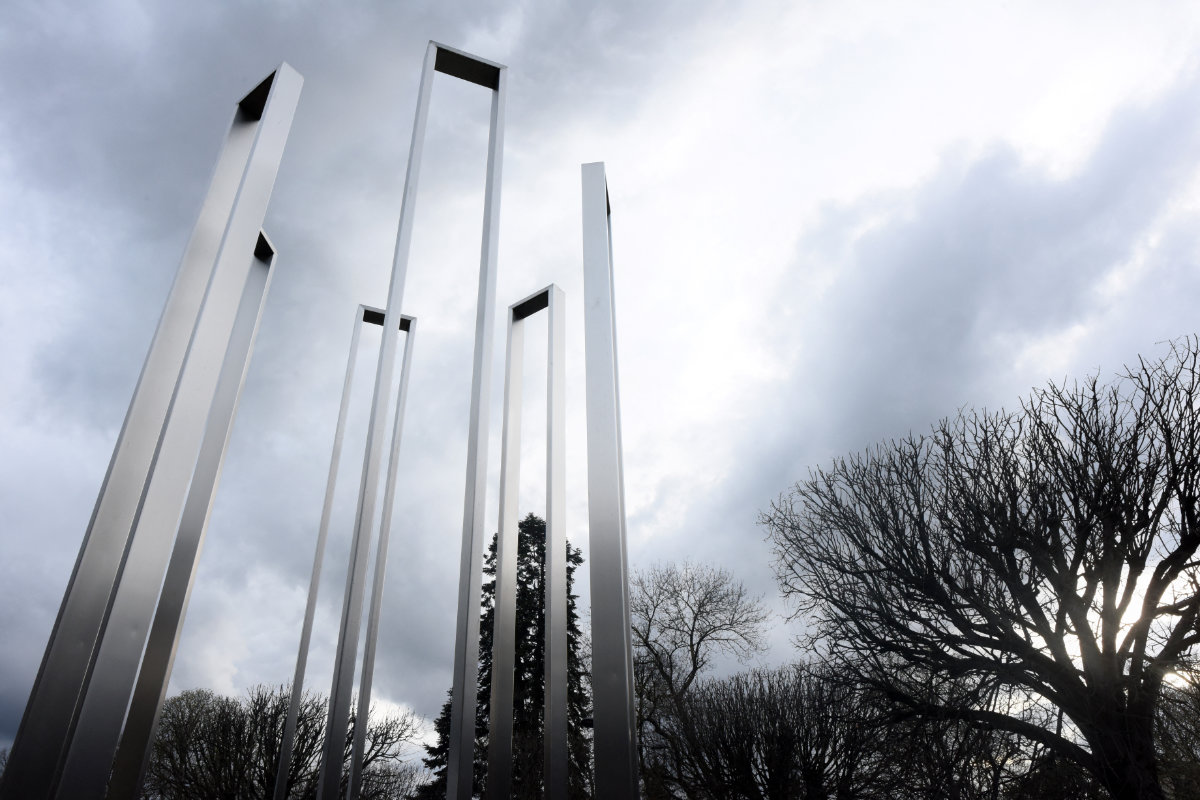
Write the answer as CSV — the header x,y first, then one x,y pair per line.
x,y
1049,554
211,746
683,616
792,732
955,760
1178,729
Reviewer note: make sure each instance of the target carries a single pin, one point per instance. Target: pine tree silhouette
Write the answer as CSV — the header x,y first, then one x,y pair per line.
x,y
528,678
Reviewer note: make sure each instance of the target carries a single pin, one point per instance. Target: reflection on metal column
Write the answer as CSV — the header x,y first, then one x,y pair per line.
x,y
438,58
103,708
102,712
556,745
612,653
385,526
466,644
362,315
225,234
137,739
500,727
283,768
456,64
329,784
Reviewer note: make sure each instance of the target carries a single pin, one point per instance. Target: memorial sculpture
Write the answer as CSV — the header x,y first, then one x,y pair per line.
x,y
72,722
96,700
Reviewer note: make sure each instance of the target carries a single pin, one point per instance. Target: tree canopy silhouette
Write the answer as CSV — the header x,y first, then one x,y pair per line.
x,y
208,746
1047,555
682,616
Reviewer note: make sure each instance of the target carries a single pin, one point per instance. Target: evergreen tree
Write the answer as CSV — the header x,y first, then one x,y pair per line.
x,y
528,678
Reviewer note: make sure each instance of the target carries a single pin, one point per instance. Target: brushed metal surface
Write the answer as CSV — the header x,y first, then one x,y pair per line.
x,y
438,58
615,731
555,716
362,315
358,746
108,691
338,719
137,738
466,645
500,722
43,737
288,742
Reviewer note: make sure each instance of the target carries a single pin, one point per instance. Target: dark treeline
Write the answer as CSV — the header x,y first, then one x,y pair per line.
x,y
1006,607
208,746
803,732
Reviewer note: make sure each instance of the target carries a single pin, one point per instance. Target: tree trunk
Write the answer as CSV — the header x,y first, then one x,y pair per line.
x,y
1128,766
814,785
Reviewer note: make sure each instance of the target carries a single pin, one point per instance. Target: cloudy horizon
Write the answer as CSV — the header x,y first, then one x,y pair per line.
x,y
833,224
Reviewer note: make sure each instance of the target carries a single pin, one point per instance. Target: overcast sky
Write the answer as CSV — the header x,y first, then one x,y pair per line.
x,y
833,223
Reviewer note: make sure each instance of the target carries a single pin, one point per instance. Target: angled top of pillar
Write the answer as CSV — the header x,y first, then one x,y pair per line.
x,y
598,166
457,64
374,316
531,304
253,104
263,249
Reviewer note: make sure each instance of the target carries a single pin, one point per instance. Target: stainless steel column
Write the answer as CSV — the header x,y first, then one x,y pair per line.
x,y
310,609
557,747
500,722
466,646
500,726
438,58
329,785
236,200
381,550
612,652
362,315
107,697
137,739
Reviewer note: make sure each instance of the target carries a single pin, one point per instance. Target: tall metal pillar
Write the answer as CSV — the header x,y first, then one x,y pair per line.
x,y
226,231
500,727
283,769
137,738
615,729
385,526
102,712
455,63
362,315
466,647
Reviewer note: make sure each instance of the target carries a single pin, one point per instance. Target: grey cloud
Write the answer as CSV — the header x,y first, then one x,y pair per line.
x,y
990,248
113,115
933,290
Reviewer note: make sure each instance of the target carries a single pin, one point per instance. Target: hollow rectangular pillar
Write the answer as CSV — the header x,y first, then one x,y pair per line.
x,y
363,314
229,221
107,698
460,758
500,727
137,737
348,633
358,746
615,731
457,64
